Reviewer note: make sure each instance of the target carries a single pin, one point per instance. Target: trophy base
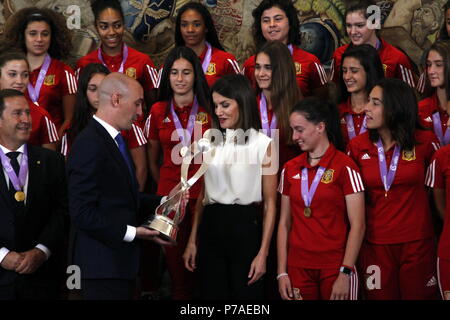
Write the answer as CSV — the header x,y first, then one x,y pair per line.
x,y
167,229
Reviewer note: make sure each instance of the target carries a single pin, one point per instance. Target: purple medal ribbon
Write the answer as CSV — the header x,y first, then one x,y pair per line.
x,y
387,177
308,194
291,49
378,44
267,129
18,182
351,126
443,139
190,126
207,59
35,91
124,57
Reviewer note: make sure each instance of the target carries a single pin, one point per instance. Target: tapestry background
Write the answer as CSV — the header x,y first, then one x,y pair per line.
x,y
411,25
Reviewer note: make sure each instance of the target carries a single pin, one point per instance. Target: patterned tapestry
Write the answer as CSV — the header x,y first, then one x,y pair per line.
x,y
412,25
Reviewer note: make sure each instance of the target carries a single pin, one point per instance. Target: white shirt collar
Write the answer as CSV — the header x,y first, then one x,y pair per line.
x,y
111,130
6,150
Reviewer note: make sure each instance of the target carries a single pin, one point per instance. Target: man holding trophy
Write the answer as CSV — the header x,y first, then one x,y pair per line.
x,y
104,200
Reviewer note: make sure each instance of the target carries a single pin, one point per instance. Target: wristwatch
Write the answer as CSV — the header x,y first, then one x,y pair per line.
x,y
346,270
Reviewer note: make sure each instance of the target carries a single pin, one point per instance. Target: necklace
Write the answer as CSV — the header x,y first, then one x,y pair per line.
x,y
315,158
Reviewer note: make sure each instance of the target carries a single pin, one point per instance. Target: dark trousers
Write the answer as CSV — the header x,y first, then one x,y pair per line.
x,y
107,289
25,287
229,240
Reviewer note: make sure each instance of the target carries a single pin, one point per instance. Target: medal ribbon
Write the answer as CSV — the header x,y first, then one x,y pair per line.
x,y
190,126
267,129
34,92
291,49
351,126
387,177
124,57
308,194
18,182
443,139
207,59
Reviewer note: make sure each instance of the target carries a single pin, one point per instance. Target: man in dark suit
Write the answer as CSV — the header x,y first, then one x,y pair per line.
x,y
33,205
103,195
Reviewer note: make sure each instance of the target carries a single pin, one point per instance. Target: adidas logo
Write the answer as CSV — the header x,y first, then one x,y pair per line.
x,y
297,176
428,119
432,282
166,120
365,157
343,121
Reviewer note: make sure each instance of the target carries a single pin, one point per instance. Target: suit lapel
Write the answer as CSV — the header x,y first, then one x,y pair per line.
x,y
34,174
4,193
116,155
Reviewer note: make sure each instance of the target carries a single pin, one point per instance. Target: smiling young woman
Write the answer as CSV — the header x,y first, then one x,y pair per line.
x,y
277,20
361,69
393,156
43,36
114,53
183,107
230,238
395,63
194,28
322,219
433,110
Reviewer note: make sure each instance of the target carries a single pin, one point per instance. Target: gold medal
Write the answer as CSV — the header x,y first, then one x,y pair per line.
x,y
307,212
19,196
184,151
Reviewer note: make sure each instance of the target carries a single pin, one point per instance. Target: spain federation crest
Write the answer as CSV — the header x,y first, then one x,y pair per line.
x,y
49,80
327,176
211,69
131,72
202,118
409,155
298,68
385,68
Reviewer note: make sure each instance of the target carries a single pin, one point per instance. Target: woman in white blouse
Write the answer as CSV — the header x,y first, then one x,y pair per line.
x,y
228,242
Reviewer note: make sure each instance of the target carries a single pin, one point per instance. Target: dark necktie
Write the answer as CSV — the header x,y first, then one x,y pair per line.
x,y
125,155
15,164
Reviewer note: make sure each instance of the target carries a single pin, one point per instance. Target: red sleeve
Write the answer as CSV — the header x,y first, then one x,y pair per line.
x,y
318,76
153,124
350,179
68,80
284,186
432,147
404,70
149,75
231,65
249,69
435,174
134,137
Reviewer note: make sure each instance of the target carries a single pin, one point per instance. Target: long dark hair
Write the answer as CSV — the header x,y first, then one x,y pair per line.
x,y
317,110
211,34
291,13
83,109
61,37
400,112
237,87
443,34
284,91
370,60
201,89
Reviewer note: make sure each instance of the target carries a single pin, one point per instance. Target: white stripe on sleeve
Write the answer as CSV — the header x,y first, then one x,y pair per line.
x,y
281,185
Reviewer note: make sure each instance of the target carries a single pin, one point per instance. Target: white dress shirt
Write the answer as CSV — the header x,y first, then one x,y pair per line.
x,y
4,251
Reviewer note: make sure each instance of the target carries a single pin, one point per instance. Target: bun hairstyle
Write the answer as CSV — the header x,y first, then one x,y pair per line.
x,y
317,110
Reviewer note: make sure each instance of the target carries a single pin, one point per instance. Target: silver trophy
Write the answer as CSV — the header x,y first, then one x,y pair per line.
x,y
169,214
